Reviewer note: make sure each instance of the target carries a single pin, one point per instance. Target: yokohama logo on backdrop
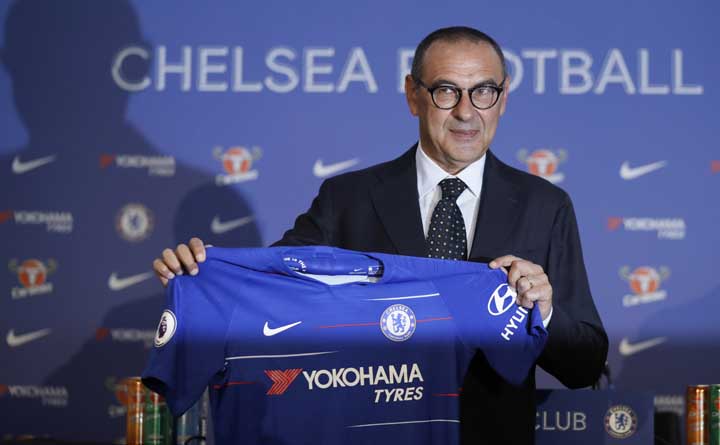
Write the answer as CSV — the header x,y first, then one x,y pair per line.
x,y
155,165
54,221
126,335
56,396
666,228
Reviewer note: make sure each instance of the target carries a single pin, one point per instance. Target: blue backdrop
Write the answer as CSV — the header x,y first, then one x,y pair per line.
x,y
127,127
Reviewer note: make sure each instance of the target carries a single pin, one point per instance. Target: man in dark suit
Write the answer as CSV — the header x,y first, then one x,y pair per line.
x,y
457,89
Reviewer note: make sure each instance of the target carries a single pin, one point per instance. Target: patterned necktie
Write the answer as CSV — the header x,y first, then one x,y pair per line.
x,y
446,236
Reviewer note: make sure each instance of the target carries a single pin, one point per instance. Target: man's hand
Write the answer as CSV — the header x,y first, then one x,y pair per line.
x,y
184,258
530,281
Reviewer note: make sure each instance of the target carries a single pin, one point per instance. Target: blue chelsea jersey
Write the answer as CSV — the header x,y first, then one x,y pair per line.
x,y
292,359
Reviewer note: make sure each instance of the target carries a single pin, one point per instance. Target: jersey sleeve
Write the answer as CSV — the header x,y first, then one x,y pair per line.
x,y
487,318
189,343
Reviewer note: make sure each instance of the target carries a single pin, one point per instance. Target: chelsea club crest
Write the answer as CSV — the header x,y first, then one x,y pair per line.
x,y
398,322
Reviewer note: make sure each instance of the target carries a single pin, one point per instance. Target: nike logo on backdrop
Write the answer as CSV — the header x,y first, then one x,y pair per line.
x,y
323,171
217,227
628,173
19,167
269,332
115,283
628,349
18,340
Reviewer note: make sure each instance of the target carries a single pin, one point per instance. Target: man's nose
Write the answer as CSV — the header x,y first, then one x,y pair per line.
x,y
464,110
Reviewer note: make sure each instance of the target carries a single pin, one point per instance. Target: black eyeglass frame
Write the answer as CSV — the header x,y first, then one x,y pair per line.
x,y
459,92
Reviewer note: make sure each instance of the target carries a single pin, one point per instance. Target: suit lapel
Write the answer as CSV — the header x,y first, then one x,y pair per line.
x,y
395,199
396,202
500,205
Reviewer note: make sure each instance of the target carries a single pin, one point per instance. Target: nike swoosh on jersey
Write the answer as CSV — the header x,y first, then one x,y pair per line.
x,y
323,171
218,227
269,332
19,167
627,349
115,283
18,340
628,173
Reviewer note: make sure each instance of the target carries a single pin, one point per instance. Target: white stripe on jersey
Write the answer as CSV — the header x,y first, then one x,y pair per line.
x,y
436,294
305,354
404,423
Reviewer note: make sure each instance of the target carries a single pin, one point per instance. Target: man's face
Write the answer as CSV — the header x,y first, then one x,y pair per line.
x,y
457,137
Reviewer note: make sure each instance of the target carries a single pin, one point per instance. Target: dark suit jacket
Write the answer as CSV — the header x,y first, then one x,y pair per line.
x,y
376,210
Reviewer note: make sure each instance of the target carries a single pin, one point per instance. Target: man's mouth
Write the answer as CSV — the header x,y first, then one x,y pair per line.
x,y
465,134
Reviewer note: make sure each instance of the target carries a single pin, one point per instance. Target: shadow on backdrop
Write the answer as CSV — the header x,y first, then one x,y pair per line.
x,y
59,57
684,350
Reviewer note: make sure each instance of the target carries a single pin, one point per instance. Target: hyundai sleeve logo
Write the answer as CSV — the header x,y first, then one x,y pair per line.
x,y
501,299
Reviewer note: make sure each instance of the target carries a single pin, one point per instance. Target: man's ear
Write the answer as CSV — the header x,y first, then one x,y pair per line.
x,y
506,91
411,94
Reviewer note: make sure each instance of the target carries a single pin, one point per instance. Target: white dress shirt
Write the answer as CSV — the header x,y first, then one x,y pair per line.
x,y
429,175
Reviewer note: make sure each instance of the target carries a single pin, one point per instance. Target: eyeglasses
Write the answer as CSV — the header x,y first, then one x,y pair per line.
x,y
447,96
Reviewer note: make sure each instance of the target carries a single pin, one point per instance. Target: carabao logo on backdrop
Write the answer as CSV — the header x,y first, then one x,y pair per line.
x,y
544,163
32,275
645,283
118,387
237,162
323,69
